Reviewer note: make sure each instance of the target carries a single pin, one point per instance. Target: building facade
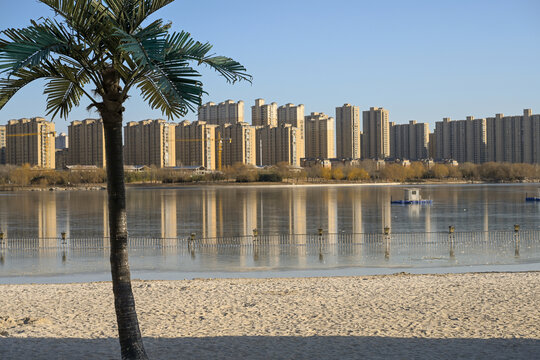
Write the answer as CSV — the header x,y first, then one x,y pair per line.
x,y
61,141
196,144
278,144
87,143
462,140
514,139
2,145
150,142
264,114
409,141
226,112
30,141
295,116
320,136
238,144
348,133
376,137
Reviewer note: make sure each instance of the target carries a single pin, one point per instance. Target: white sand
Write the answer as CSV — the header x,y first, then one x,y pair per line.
x,y
492,316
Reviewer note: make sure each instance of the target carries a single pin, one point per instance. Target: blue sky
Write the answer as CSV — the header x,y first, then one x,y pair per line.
x,y
421,60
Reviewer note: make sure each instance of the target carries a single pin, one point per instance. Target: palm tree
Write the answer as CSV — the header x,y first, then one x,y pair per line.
x,y
107,45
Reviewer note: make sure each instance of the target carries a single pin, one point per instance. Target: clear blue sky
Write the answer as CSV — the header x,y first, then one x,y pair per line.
x,y
421,60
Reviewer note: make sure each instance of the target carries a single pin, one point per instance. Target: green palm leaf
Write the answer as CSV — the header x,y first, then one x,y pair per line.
x,y
10,86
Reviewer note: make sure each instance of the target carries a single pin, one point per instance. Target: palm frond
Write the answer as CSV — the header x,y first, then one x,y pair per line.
x,y
28,47
171,87
10,86
146,46
65,90
181,45
130,14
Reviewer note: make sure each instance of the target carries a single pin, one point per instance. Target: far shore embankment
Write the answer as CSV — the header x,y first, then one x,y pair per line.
x,y
154,185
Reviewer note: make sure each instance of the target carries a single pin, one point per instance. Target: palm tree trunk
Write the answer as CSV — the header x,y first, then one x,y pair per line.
x,y
128,326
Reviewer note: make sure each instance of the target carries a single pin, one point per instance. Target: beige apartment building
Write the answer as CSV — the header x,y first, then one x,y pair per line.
x,y
238,144
278,144
462,140
87,143
150,142
196,144
376,137
320,136
514,139
226,112
409,141
264,114
30,141
294,115
2,145
348,133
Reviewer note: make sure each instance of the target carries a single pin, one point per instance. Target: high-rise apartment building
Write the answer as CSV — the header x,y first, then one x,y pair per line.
x,y
2,145
462,140
348,134
61,141
409,141
196,144
61,158
238,144
294,115
87,143
432,145
150,142
278,144
226,112
264,114
376,137
320,136
514,138
30,141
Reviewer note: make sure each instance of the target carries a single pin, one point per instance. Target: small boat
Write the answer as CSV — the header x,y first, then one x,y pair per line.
x,y
411,197
533,198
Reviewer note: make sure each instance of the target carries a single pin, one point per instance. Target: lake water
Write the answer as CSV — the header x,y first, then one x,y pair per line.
x,y
220,211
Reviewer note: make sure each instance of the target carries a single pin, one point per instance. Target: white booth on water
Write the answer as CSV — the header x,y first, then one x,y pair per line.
x,y
412,194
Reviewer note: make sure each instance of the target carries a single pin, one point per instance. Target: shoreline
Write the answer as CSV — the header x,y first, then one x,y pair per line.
x,y
101,187
445,316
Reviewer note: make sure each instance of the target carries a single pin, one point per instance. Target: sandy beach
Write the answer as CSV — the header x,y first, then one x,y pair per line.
x,y
456,316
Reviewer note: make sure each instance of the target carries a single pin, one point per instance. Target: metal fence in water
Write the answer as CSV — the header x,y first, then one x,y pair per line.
x,y
428,244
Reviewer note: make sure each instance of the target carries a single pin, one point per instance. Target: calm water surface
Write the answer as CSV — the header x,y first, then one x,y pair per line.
x,y
217,211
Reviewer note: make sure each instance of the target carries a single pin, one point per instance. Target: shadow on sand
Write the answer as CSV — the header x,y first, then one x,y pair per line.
x,y
252,347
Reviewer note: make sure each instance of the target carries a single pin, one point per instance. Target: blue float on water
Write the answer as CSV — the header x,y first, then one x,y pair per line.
x,y
411,197
533,198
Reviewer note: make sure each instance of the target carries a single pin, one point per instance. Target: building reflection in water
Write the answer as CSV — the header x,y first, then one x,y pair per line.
x,y
248,212
209,212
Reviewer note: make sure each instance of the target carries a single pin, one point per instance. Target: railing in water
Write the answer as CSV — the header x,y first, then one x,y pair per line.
x,y
450,240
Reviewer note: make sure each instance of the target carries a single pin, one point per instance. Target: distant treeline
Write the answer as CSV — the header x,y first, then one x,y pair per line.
x,y
366,171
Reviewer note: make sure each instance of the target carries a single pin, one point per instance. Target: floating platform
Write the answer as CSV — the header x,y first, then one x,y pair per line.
x,y
411,197
412,202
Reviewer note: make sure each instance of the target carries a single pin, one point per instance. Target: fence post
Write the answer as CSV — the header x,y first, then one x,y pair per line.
x,y
451,239
387,242
190,245
3,245
516,240
320,232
